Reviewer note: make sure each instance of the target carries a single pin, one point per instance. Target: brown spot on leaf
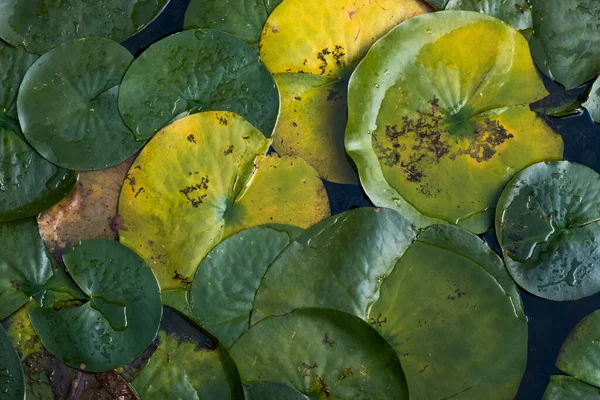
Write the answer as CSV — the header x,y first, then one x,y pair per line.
x,y
15,285
228,151
275,29
327,341
184,279
344,373
378,322
195,194
191,138
320,387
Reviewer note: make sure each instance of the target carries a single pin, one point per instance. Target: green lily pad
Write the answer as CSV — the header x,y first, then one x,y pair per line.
x,y
223,290
12,381
454,317
210,167
68,105
564,387
15,63
188,365
424,119
321,353
120,318
271,391
439,4
193,71
514,12
39,25
546,223
566,39
338,263
592,104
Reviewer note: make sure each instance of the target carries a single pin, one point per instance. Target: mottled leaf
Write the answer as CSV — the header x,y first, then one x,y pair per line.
x,y
514,12
564,387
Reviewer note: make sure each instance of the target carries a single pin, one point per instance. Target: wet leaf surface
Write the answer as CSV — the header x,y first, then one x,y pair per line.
x,y
338,263
68,105
193,71
592,104
454,317
423,119
321,353
224,286
564,387
120,318
12,382
210,167
271,391
547,225
40,25
15,63
514,12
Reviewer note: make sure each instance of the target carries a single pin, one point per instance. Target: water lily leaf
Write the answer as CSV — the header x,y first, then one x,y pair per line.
x,y
15,63
546,224
463,333
121,317
338,263
68,105
25,268
321,353
188,364
564,387
12,381
210,167
466,119
566,39
222,293
39,25
439,4
271,391
592,104
89,211
197,70
514,12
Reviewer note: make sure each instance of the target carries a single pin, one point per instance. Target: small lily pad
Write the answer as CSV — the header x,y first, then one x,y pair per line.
x,y
564,387
12,381
119,320
514,12
546,223
40,25
423,120
592,104
338,263
271,391
193,71
223,290
210,167
321,353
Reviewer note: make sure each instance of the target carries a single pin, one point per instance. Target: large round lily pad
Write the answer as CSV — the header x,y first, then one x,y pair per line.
x,y
40,25
566,39
202,179
454,317
423,119
546,222
223,290
562,387
321,353
120,318
68,105
514,12
193,71
592,104
338,263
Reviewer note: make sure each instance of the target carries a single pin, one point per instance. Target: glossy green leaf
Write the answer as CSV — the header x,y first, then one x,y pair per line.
x,y
40,25
188,365
271,391
321,353
592,104
24,265
564,387
223,290
241,18
120,318
566,39
338,263
193,71
210,167
15,63
12,382
439,4
514,12
68,105
547,225
439,101
454,318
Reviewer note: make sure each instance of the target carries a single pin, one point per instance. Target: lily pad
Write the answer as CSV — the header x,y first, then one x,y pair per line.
x,y
564,387
423,120
210,167
188,364
223,290
463,333
121,317
566,39
68,105
338,263
15,63
272,391
593,102
40,25
12,382
547,226
321,353
88,212
193,71
514,12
